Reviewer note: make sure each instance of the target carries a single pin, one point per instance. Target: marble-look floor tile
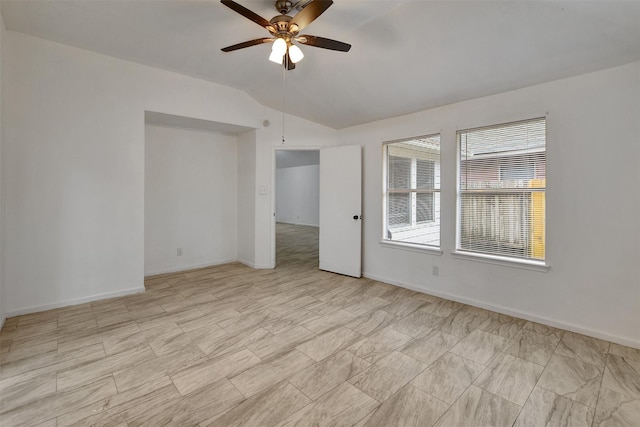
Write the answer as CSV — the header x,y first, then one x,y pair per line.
x,y
294,318
210,371
329,321
404,306
113,333
183,316
462,322
430,347
28,350
267,408
213,345
89,372
174,339
371,323
207,319
119,343
273,344
616,410
292,305
15,394
326,344
32,330
365,304
322,377
116,318
416,324
532,346
387,376
189,410
503,325
572,378
587,349
56,404
247,321
53,423
158,368
510,377
544,408
479,346
110,410
544,329
409,407
626,352
267,373
51,362
448,377
344,406
622,375
479,408
442,307
379,345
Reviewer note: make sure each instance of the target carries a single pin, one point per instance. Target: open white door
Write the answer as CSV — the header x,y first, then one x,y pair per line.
x,y
340,210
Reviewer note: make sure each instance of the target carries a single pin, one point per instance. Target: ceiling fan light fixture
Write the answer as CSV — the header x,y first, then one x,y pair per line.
x,y
279,47
276,57
295,54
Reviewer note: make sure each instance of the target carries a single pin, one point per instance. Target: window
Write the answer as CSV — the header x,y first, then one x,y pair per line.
x,y
412,191
501,190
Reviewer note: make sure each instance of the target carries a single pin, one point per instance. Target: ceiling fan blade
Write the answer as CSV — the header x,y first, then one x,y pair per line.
x,y
323,43
249,15
246,44
307,15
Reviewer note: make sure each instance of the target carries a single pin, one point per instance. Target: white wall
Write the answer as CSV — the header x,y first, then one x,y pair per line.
x,y
73,175
190,199
2,298
593,206
247,198
298,195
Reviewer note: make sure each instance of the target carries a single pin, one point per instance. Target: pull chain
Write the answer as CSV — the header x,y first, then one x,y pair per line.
x,y
284,74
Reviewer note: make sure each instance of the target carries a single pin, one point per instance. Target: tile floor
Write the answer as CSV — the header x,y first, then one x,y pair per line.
x,y
232,346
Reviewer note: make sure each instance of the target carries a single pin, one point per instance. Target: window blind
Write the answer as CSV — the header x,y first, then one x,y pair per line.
x,y
412,190
502,184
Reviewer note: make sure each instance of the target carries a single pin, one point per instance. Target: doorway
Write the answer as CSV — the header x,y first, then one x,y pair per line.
x,y
297,207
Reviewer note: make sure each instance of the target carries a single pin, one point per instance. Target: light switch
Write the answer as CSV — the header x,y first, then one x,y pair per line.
x,y
262,191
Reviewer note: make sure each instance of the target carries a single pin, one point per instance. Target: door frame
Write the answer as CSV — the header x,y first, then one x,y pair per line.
x,y
274,195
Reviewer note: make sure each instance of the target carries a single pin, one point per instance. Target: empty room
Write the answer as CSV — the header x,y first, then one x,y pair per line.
x,y
319,213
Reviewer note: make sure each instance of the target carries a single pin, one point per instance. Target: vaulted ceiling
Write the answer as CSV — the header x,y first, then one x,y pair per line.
x,y
407,56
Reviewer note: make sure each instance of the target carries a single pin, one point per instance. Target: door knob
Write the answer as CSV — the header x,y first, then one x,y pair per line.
x,y
356,217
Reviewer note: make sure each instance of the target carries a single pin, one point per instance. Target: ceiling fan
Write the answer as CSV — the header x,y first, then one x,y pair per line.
x,y
286,29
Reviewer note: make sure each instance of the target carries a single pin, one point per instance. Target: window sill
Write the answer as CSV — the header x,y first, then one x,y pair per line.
x,y
504,261
413,247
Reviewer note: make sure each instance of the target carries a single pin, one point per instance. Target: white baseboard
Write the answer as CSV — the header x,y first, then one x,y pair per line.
x,y
75,301
256,266
187,268
510,312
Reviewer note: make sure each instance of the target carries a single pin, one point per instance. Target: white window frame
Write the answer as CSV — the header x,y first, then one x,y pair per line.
x,y
413,201
459,253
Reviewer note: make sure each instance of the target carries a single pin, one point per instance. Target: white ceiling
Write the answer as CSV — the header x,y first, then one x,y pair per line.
x,y
407,56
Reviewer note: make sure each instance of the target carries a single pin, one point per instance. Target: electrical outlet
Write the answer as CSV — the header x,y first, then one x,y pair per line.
x,y
435,270
179,251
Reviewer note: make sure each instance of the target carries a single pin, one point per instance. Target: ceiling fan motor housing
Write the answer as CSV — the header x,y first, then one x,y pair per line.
x,y
281,24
